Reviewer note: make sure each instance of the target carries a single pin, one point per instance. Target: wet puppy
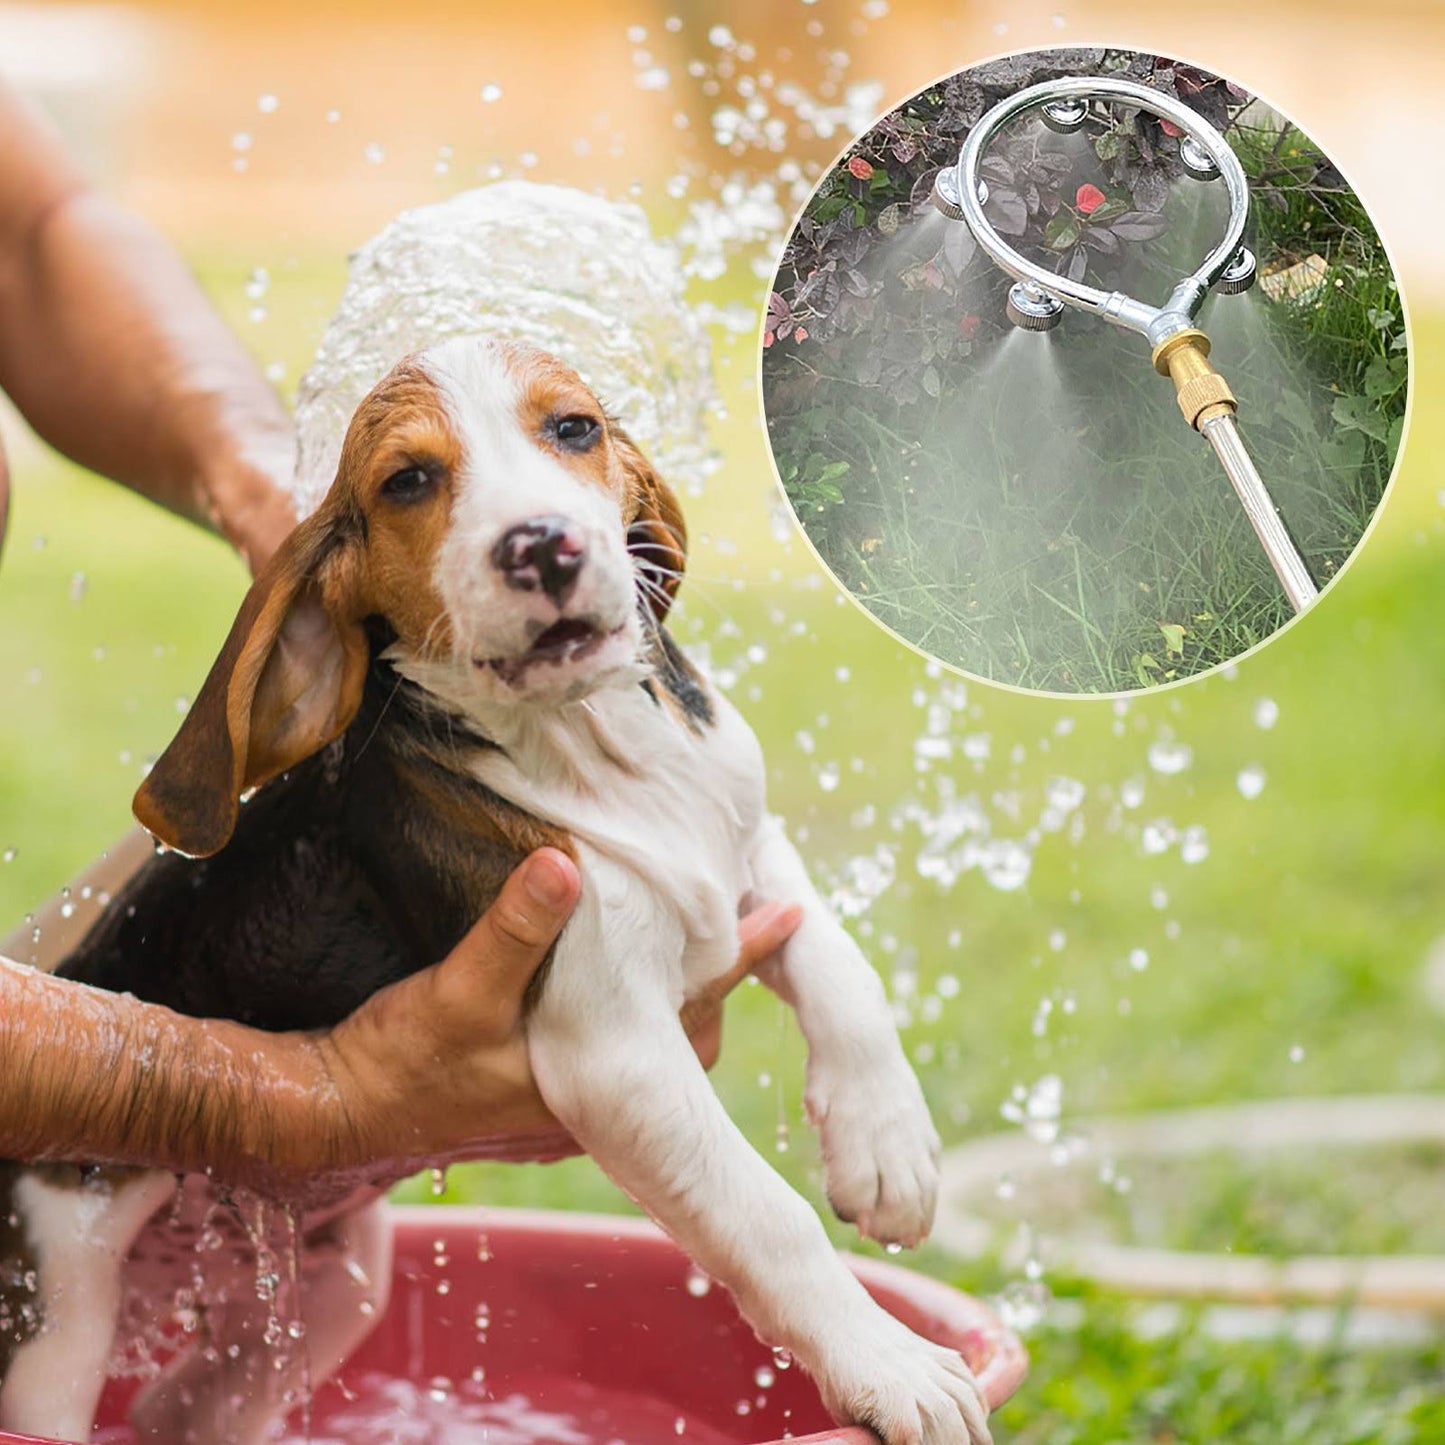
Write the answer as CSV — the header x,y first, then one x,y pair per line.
x,y
459,657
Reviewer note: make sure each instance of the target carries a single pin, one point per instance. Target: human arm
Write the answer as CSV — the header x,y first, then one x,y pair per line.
x,y
431,1069
115,356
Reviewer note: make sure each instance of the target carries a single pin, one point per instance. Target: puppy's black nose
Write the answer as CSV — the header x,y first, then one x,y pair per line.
x,y
545,553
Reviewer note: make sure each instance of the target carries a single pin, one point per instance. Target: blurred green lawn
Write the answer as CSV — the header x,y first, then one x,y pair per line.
x,y
1303,929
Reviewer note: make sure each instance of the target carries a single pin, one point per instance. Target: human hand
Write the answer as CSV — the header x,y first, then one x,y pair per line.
x,y
434,1069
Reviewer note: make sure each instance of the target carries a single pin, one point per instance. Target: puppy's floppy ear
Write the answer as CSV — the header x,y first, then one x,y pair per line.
x,y
289,679
656,532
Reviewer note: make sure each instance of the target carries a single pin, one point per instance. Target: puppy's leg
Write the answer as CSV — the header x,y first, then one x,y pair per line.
x,y
880,1149
232,1391
81,1234
614,1065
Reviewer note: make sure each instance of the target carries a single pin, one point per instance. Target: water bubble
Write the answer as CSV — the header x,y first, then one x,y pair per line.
x,y
1139,959
1250,781
267,103
828,777
332,116
375,153
782,1359
8,856
698,1284
242,142
1037,1108
1296,1053
491,93
1168,757
1194,846
1266,713
655,77
1022,1304
78,585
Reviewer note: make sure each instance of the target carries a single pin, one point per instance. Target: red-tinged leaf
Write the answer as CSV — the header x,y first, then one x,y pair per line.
x,y
801,334
1088,198
1139,226
857,166
1169,128
1008,211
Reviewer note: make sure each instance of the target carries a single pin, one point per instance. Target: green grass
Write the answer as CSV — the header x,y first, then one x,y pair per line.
x,y
1305,925
1103,1385
1045,519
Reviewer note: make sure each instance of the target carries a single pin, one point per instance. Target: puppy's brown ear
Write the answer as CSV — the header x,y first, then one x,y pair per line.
x,y
287,682
656,532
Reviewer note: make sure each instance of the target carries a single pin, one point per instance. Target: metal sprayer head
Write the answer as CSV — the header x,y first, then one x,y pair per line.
x,y
1037,299
1065,105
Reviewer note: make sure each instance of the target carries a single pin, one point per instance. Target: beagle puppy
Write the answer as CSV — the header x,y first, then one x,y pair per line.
x,y
460,656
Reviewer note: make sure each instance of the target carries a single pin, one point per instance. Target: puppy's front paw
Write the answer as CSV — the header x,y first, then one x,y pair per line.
x,y
906,1389
880,1149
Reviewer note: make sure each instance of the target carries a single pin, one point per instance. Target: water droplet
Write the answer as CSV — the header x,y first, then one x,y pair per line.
x,y
698,1284
1139,959
1296,1053
1168,757
267,103
764,1378
78,585
1266,713
1250,781
241,142
1022,1304
491,93
375,153
8,856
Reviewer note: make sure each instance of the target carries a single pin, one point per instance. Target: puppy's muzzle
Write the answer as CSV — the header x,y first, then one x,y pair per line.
x,y
544,554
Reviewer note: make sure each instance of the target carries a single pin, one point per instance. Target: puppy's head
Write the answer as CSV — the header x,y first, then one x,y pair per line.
x,y
507,534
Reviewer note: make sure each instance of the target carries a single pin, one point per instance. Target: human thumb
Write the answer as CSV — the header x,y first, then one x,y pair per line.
x,y
510,940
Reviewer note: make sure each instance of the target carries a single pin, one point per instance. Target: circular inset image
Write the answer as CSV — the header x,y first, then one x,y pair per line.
x,y
1084,370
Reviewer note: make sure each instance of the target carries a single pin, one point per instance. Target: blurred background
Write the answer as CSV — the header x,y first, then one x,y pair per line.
x,y
1226,891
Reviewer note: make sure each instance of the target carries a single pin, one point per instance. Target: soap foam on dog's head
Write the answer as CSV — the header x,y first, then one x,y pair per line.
x,y
575,275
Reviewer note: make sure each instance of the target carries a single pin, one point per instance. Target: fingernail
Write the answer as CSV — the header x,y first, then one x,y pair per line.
x,y
548,881
787,918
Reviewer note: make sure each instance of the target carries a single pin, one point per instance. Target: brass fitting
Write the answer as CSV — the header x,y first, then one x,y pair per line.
x,y
1203,392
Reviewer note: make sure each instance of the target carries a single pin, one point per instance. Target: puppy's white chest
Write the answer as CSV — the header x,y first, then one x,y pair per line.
x,y
651,801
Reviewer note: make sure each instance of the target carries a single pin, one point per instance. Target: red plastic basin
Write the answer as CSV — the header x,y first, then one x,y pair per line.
x,y
592,1336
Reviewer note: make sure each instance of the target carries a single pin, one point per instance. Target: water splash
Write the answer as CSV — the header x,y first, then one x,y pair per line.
x,y
570,273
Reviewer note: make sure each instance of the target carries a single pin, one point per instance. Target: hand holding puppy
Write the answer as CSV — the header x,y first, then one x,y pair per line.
x,y
435,1067
431,1069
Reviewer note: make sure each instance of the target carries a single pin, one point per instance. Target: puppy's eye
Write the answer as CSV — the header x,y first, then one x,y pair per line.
x,y
578,431
410,484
